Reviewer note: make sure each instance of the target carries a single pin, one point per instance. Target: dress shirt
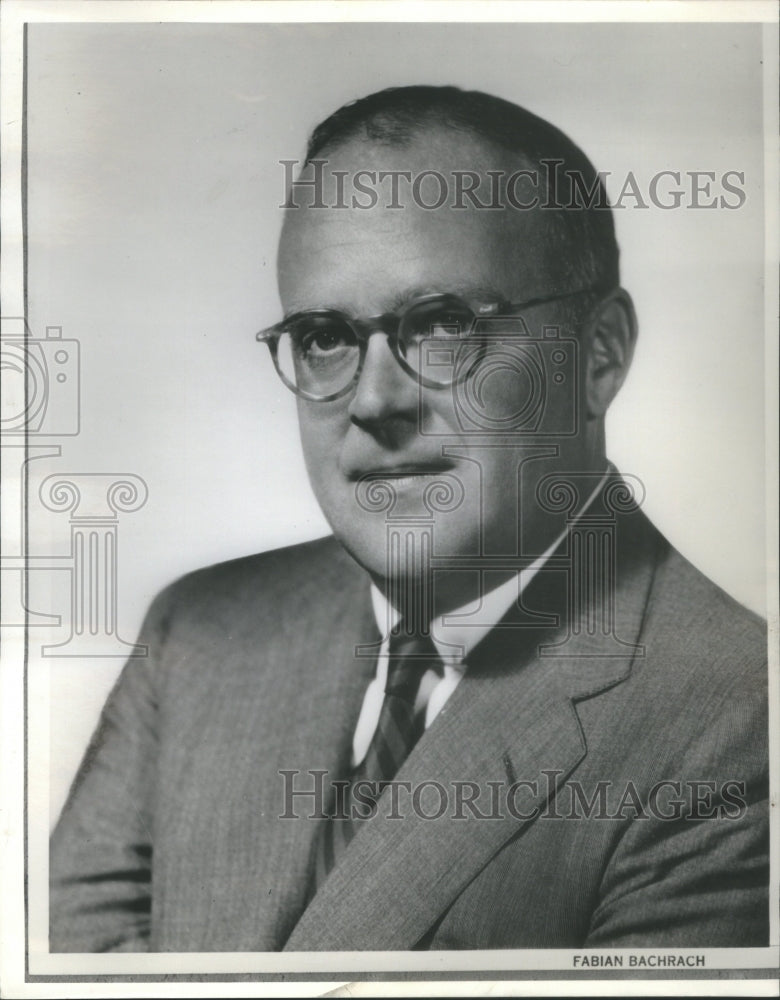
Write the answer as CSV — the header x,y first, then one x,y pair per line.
x,y
454,634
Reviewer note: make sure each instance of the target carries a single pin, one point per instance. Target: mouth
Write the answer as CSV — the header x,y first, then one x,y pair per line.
x,y
404,472
405,477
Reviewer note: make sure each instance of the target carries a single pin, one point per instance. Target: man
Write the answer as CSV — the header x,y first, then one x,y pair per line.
x,y
497,709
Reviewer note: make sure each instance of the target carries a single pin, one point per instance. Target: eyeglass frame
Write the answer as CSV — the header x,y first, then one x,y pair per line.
x,y
363,329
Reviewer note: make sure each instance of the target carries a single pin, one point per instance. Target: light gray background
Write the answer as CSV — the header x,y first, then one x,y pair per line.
x,y
153,193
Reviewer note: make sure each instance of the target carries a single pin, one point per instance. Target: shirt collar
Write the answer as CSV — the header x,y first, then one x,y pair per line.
x,y
457,632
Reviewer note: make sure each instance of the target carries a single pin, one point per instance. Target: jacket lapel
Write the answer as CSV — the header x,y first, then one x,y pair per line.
x,y
327,696
283,699
511,719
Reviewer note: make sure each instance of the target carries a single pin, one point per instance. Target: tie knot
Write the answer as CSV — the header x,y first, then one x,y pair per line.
x,y
409,658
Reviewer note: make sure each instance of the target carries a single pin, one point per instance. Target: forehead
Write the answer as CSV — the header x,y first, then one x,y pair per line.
x,y
363,259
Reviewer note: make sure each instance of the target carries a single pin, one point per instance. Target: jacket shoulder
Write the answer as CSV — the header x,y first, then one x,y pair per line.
x,y
267,580
698,614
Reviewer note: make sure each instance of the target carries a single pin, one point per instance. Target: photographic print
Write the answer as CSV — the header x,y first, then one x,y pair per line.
x,y
389,578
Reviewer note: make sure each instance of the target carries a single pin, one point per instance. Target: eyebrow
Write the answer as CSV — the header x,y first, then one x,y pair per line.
x,y
481,293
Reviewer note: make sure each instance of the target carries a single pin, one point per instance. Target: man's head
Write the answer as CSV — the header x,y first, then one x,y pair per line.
x,y
488,248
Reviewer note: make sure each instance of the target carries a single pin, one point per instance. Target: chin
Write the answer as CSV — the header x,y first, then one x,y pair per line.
x,y
403,551
366,544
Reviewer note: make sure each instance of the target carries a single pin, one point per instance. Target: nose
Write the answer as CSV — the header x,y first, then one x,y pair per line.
x,y
384,390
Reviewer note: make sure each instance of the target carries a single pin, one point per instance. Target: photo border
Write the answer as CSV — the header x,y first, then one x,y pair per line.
x,y
514,973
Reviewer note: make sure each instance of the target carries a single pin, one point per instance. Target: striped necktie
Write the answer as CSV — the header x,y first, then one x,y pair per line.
x,y
399,727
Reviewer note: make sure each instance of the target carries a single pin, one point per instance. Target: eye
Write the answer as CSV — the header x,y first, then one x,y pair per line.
x,y
441,322
322,341
317,338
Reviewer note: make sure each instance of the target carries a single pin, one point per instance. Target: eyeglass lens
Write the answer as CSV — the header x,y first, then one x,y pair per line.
x,y
319,355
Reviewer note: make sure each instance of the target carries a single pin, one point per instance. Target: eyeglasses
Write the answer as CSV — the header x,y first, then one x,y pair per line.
x,y
319,353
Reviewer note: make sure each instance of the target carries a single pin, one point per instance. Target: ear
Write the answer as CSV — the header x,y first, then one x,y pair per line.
x,y
609,340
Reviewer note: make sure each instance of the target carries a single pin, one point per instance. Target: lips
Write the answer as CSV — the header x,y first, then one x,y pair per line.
x,y
404,481
401,471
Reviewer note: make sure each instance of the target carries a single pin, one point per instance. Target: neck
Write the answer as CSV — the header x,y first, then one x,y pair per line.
x,y
425,592
421,599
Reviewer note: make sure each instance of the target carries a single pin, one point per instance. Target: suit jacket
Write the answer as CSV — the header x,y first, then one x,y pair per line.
x,y
172,840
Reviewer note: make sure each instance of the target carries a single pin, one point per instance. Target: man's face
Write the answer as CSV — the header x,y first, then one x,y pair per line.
x,y
370,262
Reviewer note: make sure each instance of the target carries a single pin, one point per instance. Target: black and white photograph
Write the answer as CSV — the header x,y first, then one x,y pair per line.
x,y
389,470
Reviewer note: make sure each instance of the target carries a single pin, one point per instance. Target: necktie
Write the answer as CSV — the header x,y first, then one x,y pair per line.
x,y
399,727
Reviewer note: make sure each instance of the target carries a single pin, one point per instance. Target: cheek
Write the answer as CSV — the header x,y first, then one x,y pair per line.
x,y
499,396
499,485
319,433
